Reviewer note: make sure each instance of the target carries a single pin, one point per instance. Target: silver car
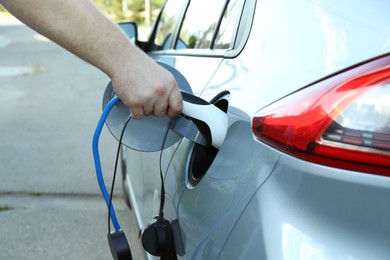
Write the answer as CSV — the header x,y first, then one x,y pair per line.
x,y
303,172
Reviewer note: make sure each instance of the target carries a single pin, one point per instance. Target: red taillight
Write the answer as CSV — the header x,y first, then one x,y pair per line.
x,y
339,123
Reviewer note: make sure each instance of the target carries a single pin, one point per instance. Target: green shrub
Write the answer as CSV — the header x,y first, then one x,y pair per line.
x,y
131,10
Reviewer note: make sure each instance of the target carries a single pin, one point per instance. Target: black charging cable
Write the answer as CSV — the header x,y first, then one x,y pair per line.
x,y
115,170
162,197
157,238
119,246
160,243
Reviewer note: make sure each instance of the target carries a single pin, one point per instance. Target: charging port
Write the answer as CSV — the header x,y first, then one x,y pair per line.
x,y
201,157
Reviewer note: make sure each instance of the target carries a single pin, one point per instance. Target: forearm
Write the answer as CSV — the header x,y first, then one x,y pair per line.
x,y
77,26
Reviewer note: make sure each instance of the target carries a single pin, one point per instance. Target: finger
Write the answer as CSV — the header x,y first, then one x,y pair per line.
x,y
137,112
175,104
148,109
160,107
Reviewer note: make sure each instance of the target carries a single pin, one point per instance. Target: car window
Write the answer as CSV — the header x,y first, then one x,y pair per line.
x,y
203,22
200,23
166,25
226,33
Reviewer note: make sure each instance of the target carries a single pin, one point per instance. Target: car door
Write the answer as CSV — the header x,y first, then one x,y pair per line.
x,y
198,56
194,37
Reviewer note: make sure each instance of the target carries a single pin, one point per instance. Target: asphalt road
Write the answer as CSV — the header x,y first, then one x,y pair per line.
x,y
50,203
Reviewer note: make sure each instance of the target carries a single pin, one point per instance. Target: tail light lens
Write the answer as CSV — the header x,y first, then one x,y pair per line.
x,y
342,122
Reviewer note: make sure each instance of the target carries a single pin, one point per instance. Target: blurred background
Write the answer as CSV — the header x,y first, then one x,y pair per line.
x,y
144,12
141,11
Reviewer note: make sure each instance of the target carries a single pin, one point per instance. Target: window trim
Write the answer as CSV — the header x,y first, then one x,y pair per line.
x,y
243,28
241,35
151,40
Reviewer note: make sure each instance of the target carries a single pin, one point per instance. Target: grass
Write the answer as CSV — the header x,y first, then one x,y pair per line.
x,y
34,193
5,207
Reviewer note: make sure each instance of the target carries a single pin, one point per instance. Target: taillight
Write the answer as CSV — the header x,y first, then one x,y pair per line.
x,y
340,122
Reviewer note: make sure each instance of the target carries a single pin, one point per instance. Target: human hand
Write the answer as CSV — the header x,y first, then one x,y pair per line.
x,y
147,88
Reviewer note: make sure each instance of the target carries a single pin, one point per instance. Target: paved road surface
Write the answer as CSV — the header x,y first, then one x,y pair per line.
x,y
50,205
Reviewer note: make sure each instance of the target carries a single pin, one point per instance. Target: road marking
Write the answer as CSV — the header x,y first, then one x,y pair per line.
x,y
13,71
4,42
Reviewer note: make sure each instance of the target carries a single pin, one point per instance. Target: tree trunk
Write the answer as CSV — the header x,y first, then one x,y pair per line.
x,y
125,7
148,12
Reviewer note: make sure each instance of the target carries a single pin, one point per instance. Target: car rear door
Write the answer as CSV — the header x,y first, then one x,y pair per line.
x,y
194,37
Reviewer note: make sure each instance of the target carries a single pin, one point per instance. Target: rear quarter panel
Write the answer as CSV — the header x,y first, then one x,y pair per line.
x,y
308,211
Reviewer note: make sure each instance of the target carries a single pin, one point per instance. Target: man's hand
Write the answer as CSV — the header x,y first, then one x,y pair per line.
x,y
146,87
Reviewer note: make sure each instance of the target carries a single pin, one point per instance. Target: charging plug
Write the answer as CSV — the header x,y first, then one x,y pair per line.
x,y
211,121
119,246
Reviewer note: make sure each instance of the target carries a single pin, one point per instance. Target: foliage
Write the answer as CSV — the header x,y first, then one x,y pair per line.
x,y
130,10
5,207
2,9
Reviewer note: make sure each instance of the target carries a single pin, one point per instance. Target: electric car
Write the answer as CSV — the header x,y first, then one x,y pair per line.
x,y
303,170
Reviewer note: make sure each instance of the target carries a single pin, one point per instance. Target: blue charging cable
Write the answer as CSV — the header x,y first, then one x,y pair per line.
x,y
96,157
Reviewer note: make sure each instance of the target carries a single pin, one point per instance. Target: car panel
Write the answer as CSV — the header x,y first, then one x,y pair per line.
x,y
197,70
309,211
226,189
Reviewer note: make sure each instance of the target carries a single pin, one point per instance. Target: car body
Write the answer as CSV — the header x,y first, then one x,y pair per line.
x,y
263,195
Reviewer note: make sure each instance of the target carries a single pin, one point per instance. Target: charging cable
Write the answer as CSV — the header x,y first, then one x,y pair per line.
x,y
157,238
98,167
117,241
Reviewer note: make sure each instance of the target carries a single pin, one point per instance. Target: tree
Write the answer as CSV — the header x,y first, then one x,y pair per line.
x,y
141,11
